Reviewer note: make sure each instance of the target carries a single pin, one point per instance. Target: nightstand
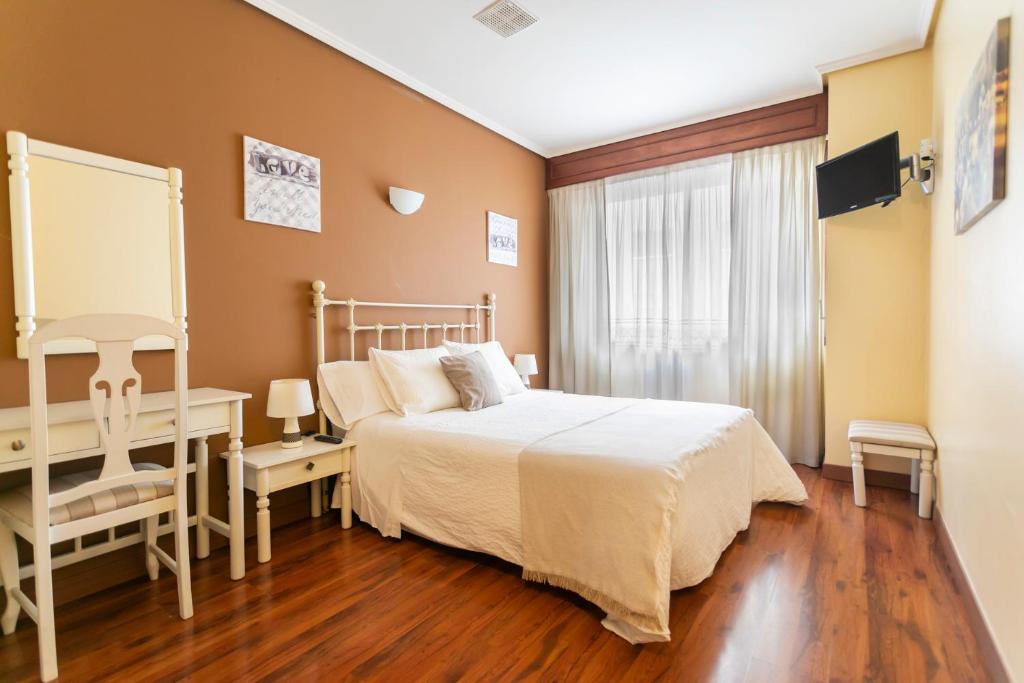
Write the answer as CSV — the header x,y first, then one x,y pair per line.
x,y
270,468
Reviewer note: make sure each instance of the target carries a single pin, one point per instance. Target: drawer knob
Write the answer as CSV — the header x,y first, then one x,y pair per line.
x,y
18,445
310,466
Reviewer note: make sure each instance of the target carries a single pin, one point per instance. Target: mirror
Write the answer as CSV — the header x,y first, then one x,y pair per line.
x,y
100,235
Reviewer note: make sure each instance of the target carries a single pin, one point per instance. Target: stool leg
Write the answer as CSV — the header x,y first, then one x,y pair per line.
x,y
860,494
915,476
924,503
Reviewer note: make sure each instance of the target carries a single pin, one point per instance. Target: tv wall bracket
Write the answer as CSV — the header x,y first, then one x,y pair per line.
x,y
922,167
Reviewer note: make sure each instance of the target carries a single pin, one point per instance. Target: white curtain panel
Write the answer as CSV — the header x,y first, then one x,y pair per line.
x,y
775,290
698,281
579,358
668,274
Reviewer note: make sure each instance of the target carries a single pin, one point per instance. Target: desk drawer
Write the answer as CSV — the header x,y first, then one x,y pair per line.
x,y
298,472
64,438
161,423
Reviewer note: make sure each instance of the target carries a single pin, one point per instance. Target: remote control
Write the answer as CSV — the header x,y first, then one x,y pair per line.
x,y
328,439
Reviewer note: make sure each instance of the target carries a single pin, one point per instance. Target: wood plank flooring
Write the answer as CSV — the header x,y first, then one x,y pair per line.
x,y
827,592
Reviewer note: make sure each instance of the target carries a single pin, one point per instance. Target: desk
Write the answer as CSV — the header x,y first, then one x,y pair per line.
x,y
73,435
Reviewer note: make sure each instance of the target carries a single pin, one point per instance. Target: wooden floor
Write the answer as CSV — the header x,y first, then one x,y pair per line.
x,y
828,592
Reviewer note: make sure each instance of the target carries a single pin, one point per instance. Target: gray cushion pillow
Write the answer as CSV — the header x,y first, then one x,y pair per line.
x,y
473,379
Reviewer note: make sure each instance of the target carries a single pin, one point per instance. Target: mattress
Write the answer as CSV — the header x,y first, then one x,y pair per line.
x,y
452,476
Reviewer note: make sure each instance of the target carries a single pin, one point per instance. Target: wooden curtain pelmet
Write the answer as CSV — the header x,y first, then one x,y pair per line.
x,y
799,119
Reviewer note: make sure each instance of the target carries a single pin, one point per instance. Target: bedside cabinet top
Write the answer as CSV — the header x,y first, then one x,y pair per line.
x,y
272,454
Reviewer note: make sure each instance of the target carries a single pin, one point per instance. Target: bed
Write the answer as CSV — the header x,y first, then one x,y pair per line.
x,y
620,500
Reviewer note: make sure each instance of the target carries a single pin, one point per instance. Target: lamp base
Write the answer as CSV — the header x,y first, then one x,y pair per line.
x,y
292,437
526,379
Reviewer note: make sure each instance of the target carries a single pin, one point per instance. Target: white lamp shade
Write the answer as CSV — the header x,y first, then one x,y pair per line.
x,y
289,398
405,201
526,364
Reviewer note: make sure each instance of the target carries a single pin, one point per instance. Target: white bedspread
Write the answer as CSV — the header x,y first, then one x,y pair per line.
x,y
453,476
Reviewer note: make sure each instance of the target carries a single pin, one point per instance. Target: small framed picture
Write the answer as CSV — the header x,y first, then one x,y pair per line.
x,y
502,239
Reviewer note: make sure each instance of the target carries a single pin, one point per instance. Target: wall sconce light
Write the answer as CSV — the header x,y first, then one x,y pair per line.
x,y
404,201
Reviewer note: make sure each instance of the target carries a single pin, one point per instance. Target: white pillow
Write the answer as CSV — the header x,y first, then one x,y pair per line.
x,y
349,392
413,381
508,379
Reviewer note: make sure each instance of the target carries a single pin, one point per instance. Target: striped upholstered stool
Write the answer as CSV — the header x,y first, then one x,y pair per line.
x,y
899,439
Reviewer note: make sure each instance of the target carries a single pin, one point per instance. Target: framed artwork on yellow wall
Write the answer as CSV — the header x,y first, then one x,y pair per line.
x,y
980,176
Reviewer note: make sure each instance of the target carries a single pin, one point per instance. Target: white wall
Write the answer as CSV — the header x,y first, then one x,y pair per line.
x,y
976,365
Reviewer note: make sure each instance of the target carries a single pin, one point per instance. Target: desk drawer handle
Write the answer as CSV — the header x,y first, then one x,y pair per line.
x,y
310,466
18,445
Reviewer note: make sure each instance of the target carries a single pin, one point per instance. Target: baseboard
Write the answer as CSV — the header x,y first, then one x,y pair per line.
x,y
986,644
892,480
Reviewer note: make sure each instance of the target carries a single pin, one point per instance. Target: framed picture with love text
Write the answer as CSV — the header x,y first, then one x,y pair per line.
x,y
282,186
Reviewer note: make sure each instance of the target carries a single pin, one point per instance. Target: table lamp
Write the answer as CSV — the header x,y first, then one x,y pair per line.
x,y
526,365
290,399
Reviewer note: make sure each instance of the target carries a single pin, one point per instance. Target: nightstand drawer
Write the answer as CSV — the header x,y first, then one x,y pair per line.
x,y
303,470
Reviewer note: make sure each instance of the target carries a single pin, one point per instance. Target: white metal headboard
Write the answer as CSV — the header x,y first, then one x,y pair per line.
x,y
320,301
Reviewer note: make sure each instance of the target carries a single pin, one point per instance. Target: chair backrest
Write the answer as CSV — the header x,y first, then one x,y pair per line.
x,y
115,393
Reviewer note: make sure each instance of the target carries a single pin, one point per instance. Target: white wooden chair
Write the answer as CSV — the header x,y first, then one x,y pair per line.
x,y
55,509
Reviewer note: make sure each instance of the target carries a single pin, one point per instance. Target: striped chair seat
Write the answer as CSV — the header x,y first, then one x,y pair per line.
x,y
18,501
891,434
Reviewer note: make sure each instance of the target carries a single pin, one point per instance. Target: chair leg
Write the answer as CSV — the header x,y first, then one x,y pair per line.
x,y
181,561
44,605
915,476
9,574
149,529
924,502
860,495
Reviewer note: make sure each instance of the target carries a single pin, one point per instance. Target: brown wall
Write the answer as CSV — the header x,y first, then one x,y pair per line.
x,y
179,84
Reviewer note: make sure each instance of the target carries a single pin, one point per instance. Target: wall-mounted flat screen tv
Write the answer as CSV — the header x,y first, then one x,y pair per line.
x,y
862,177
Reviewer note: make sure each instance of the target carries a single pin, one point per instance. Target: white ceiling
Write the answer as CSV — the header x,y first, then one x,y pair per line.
x,y
595,71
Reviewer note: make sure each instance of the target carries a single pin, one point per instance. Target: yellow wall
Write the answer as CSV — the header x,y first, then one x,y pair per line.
x,y
924,326
976,392
876,262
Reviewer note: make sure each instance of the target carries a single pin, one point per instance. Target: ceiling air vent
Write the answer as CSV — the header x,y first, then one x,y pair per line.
x,y
505,18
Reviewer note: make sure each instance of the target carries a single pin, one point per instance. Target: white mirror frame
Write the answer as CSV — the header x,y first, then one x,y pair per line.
x,y
19,147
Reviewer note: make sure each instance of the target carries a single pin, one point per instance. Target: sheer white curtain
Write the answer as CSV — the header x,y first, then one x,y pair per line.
x,y
698,281
775,283
579,357
668,274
